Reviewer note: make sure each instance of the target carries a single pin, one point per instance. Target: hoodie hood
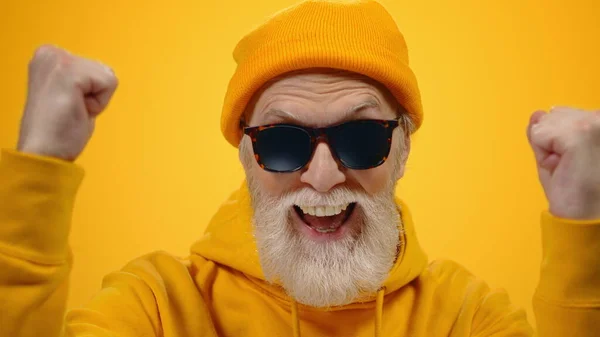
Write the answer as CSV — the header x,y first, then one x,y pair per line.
x,y
229,241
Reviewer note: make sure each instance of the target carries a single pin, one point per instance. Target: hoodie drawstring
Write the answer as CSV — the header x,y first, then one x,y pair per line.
x,y
295,319
378,315
379,311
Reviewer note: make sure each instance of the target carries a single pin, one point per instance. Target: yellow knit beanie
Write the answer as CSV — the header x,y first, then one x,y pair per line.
x,y
358,36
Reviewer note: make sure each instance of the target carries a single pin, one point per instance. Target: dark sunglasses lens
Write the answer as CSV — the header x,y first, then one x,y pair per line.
x,y
283,148
361,145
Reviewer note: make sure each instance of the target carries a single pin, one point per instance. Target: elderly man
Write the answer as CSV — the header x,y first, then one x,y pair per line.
x,y
322,106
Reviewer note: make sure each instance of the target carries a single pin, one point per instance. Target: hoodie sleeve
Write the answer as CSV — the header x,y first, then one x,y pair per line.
x,y
36,201
567,299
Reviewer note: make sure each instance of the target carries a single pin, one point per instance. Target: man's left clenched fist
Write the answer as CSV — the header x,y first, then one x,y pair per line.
x,y
566,144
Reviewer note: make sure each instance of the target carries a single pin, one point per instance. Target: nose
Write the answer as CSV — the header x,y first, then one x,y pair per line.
x,y
323,172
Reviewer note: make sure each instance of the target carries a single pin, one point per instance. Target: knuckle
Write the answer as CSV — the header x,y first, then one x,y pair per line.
x,y
114,81
593,119
109,78
65,67
108,69
112,78
47,56
38,54
66,60
44,49
536,136
560,109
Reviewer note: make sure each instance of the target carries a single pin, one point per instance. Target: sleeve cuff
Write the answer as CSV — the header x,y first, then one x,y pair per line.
x,y
570,272
37,195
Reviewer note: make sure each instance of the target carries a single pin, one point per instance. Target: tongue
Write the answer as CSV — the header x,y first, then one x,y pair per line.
x,y
324,222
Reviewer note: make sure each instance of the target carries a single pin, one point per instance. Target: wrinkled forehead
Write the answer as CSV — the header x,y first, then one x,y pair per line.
x,y
320,96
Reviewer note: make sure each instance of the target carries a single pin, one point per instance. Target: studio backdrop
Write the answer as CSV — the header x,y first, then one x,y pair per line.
x,y
158,167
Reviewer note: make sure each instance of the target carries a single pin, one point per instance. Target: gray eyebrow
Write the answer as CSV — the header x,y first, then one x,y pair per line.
x,y
353,110
364,105
280,113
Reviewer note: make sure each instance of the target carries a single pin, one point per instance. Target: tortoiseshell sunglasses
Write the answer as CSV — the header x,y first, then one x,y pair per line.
x,y
357,145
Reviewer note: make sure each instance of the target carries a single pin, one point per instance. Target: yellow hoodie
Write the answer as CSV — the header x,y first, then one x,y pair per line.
x,y
219,289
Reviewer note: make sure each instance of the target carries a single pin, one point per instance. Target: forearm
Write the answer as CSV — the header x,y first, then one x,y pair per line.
x,y
36,201
567,300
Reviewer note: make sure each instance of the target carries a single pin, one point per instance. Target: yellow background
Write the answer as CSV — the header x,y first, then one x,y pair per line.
x,y
158,168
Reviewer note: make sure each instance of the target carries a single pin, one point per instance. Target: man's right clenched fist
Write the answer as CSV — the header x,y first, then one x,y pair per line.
x,y
65,94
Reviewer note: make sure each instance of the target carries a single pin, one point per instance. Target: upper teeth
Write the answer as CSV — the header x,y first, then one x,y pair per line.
x,y
324,210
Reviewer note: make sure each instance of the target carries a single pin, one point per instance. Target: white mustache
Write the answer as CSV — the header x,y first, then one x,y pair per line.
x,y
310,197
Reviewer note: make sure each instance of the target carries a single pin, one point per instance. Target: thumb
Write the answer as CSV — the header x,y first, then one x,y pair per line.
x,y
534,119
98,85
545,159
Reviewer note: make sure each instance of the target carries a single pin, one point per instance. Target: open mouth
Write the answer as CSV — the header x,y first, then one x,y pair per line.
x,y
325,219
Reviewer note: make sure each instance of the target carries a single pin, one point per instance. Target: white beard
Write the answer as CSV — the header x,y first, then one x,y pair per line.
x,y
325,274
